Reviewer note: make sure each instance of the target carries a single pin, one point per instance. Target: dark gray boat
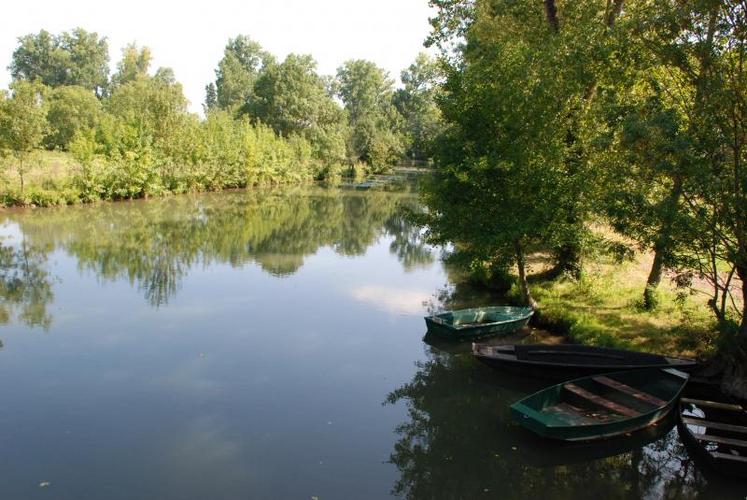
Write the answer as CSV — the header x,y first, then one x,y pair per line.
x,y
566,361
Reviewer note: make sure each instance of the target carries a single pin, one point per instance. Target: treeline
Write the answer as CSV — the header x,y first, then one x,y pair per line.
x,y
265,121
561,114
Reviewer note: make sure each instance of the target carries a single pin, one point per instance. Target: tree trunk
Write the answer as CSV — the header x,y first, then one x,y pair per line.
x,y
662,245
523,284
613,11
20,172
569,259
742,273
551,13
652,283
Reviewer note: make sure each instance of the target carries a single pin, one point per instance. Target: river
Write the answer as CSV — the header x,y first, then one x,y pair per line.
x,y
268,344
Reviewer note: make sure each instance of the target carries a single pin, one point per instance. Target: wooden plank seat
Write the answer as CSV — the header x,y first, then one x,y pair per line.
x,y
578,416
713,404
640,395
600,401
692,420
570,413
728,456
719,439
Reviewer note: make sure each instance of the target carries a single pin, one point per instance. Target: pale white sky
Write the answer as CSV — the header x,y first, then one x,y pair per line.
x,y
189,36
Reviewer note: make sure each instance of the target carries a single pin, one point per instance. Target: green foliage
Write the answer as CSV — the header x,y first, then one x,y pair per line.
x,y
375,124
243,62
134,65
292,99
416,102
24,117
70,110
71,58
512,176
23,123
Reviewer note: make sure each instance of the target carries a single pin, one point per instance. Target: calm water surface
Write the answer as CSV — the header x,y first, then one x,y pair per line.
x,y
267,345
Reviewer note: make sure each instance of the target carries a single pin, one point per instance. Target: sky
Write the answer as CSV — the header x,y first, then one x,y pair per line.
x,y
189,36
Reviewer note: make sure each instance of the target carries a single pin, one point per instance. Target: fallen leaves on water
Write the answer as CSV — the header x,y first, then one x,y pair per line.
x,y
44,484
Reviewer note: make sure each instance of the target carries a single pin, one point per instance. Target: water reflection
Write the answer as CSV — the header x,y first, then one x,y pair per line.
x,y
25,285
154,244
459,442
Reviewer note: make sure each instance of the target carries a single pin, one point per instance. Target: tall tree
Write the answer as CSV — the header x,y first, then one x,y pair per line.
x,y
291,97
416,102
367,92
23,123
514,175
71,109
71,58
243,62
134,64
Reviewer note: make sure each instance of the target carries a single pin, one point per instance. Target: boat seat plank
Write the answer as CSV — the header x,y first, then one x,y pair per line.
x,y
600,401
619,386
571,413
719,439
713,404
579,415
714,425
728,456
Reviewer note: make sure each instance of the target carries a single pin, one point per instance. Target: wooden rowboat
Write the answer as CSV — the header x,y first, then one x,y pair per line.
x,y
479,322
601,406
566,361
716,433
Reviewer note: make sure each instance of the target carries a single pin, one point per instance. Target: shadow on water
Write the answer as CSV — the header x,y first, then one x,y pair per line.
x,y
458,441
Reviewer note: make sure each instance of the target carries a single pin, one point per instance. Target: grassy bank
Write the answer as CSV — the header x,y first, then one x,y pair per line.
x,y
604,308
53,178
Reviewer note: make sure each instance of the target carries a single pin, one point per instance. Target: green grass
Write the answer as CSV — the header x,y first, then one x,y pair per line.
x,y
604,308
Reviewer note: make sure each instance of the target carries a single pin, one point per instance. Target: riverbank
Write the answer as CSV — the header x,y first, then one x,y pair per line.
x,y
605,308
56,178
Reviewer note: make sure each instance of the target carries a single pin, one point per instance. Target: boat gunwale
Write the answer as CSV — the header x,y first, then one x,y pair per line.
x,y
644,418
527,313
671,361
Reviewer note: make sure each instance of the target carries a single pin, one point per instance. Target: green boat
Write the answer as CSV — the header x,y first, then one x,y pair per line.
x,y
601,406
479,322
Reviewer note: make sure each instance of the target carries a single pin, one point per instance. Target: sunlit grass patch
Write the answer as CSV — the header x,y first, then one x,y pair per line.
x,y
604,307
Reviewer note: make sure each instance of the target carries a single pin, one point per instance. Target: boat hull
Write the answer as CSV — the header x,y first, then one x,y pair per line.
x,y
541,412
445,326
566,369
724,462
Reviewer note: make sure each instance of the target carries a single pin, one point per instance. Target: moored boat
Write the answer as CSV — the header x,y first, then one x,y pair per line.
x,y
715,431
601,406
566,361
479,322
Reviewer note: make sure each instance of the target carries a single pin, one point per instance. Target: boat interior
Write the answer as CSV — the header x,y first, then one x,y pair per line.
x,y
720,427
604,399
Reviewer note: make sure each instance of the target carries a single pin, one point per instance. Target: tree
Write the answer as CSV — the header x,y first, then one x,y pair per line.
x,y
513,171
71,109
134,64
211,98
243,62
367,93
648,165
416,102
292,99
71,58
23,123
150,107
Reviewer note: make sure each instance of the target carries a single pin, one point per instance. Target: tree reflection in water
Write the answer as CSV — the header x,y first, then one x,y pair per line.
x,y
154,244
25,285
459,443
